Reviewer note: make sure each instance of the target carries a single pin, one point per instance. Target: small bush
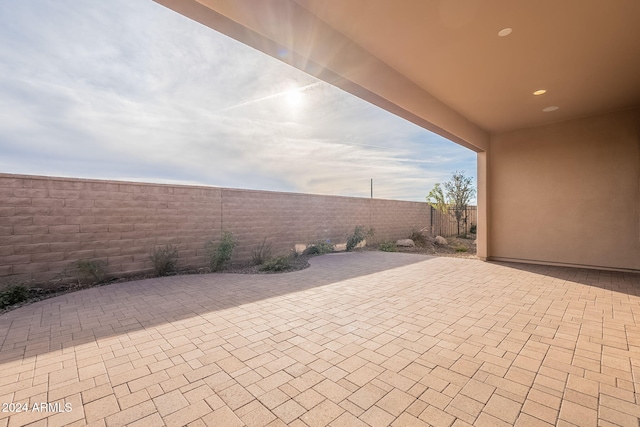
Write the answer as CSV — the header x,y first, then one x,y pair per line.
x,y
324,247
473,229
164,260
261,253
359,234
13,294
461,249
222,253
418,238
280,263
388,247
91,269
311,250
319,248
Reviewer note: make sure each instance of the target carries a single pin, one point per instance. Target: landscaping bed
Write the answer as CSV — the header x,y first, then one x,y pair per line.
x,y
36,294
458,247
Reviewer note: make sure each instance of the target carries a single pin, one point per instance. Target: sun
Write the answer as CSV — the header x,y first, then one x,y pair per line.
x,y
294,97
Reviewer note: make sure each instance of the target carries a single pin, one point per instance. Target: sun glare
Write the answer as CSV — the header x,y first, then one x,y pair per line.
x,y
294,97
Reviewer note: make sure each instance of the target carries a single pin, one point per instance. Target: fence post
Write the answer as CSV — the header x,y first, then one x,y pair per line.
x,y
431,220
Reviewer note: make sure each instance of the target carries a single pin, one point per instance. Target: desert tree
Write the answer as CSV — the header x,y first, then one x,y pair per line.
x,y
459,192
455,198
439,204
437,200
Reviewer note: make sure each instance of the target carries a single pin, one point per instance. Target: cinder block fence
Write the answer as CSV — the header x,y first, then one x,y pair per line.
x,y
47,224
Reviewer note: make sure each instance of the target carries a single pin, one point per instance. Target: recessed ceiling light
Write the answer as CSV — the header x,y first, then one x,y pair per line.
x,y
540,92
551,108
505,32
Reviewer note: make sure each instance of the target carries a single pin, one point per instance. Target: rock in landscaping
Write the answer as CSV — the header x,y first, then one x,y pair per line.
x,y
441,241
406,243
340,247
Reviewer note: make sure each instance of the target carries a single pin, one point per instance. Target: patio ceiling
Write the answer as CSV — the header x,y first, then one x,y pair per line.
x,y
585,53
447,58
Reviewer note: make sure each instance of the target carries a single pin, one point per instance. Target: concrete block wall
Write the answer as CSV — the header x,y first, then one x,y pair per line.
x,y
287,219
394,219
47,224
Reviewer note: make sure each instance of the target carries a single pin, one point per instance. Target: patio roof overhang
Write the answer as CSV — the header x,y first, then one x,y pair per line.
x,y
444,66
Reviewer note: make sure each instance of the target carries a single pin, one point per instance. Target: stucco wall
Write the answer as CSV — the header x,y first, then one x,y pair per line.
x,y
48,224
568,192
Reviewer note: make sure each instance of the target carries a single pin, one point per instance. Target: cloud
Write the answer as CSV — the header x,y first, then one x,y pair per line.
x,y
131,90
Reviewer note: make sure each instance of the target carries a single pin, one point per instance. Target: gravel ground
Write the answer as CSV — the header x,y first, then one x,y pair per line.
x,y
458,247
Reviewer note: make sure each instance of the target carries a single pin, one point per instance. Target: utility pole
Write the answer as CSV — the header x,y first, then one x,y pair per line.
x,y
372,188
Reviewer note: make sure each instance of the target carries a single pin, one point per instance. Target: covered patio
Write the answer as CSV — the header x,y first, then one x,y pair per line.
x,y
356,339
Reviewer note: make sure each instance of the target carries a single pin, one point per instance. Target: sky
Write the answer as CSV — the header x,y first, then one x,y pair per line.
x,y
130,90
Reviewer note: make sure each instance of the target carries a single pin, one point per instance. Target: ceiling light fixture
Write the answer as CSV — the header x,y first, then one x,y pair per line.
x,y
549,109
540,92
505,32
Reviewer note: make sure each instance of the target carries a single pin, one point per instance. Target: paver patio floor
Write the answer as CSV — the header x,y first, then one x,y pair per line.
x,y
356,339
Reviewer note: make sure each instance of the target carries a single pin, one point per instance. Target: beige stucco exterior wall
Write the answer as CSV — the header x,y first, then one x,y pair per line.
x,y
482,241
567,193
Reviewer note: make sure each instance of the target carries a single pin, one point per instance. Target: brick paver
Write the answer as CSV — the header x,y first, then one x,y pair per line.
x,y
356,339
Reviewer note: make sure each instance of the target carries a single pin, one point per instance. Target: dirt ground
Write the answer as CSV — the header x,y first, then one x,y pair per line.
x,y
457,247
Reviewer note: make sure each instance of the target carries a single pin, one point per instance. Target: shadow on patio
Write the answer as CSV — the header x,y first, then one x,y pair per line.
x,y
91,314
615,281
357,339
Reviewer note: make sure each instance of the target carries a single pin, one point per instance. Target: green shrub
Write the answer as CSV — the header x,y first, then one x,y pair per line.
x,y
324,247
280,263
418,238
359,234
461,249
13,294
261,253
319,248
311,250
91,269
473,229
388,247
164,260
222,253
